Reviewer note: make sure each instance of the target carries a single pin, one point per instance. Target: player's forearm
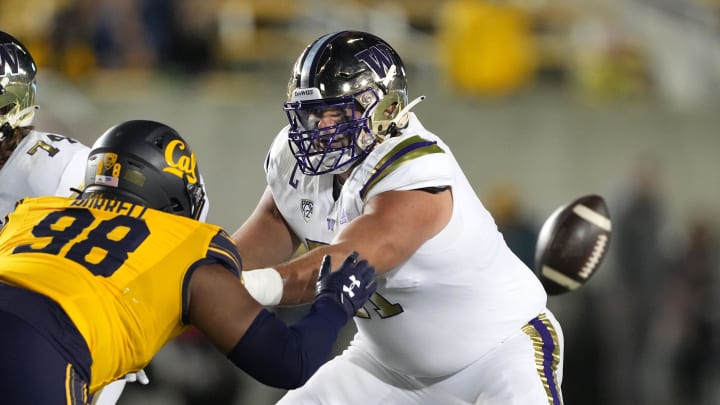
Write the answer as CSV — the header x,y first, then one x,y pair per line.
x,y
285,357
265,239
264,245
298,285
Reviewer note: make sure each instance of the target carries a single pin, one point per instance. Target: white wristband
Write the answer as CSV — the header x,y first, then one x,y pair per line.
x,y
265,285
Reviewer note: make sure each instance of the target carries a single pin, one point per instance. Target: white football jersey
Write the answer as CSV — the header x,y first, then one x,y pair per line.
x,y
462,293
42,164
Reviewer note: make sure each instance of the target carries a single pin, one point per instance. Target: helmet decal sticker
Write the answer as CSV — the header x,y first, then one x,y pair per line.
x,y
378,58
109,160
108,172
9,59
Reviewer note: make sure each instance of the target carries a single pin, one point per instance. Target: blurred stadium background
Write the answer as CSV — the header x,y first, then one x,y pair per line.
x,y
542,101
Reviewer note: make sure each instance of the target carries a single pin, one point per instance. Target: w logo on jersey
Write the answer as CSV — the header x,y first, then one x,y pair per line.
x,y
378,58
9,60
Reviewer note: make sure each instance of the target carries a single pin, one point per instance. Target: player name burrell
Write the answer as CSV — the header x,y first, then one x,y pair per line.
x,y
107,204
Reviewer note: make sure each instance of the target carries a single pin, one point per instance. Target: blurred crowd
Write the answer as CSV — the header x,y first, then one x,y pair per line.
x,y
645,330
79,36
603,50
487,47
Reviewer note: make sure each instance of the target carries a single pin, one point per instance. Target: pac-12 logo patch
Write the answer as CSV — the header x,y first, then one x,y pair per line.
x,y
306,206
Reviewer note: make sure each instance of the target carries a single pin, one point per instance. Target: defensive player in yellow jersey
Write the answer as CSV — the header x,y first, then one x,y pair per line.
x,y
91,288
33,162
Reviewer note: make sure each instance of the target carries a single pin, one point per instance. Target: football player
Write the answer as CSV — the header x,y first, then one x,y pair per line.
x,y
35,163
32,162
457,317
92,287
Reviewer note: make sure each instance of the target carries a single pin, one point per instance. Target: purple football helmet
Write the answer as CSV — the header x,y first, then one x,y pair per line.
x,y
345,91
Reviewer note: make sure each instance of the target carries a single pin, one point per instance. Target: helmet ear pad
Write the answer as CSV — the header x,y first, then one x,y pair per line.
x,y
384,114
148,163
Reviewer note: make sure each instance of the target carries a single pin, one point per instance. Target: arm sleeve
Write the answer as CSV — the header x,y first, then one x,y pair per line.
x,y
285,357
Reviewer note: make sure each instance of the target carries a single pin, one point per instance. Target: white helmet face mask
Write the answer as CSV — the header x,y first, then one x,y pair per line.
x,y
17,85
345,93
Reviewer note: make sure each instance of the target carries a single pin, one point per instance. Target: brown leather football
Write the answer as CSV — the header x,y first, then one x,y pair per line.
x,y
572,243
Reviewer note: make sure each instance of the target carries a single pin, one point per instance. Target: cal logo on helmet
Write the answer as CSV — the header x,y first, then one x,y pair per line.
x,y
179,162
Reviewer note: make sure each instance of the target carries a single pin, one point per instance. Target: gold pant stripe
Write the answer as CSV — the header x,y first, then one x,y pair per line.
x,y
547,355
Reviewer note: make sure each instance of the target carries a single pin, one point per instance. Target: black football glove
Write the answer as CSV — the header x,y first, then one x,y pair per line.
x,y
350,286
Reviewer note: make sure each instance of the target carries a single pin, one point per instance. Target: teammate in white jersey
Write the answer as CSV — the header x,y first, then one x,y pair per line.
x,y
35,163
32,163
41,164
457,318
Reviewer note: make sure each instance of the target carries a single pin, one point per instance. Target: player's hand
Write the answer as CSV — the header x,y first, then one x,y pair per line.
x,y
350,286
140,377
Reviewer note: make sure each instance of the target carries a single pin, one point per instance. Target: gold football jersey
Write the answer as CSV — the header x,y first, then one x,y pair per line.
x,y
119,270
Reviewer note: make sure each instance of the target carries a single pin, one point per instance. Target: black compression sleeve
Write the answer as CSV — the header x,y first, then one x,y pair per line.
x,y
285,357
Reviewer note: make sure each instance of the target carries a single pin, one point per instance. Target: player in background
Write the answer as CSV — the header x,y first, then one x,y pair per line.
x,y
457,318
92,287
32,162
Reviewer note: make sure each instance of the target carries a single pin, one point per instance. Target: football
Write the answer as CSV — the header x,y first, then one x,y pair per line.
x,y
572,243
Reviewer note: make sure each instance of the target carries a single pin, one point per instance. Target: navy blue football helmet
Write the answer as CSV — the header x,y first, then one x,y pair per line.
x,y
148,163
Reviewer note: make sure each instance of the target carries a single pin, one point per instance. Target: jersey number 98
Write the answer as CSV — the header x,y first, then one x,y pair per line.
x,y
116,237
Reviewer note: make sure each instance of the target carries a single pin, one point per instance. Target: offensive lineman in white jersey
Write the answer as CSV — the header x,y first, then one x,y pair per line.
x,y
457,317
35,163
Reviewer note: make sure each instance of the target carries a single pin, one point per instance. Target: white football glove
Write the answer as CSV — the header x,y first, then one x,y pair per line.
x,y
140,377
110,393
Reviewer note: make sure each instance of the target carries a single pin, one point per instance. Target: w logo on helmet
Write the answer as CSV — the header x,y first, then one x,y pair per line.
x,y
378,57
9,59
